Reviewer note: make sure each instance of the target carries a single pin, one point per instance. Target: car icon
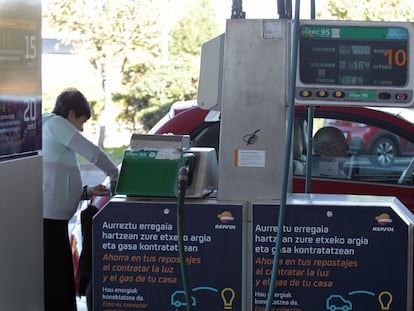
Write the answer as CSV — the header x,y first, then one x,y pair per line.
x,y
338,303
178,299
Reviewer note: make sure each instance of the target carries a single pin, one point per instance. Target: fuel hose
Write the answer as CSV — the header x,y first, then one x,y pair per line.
x,y
285,177
182,186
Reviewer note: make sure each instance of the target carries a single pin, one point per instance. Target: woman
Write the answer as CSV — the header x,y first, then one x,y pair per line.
x,y
62,191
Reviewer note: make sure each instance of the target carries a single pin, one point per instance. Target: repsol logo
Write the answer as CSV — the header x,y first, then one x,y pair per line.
x,y
383,229
225,227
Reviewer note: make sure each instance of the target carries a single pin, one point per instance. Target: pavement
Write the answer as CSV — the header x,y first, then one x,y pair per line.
x,y
81,303
91,175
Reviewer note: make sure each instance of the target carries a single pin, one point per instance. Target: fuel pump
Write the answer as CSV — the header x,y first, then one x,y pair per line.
x,y
151,165
230,248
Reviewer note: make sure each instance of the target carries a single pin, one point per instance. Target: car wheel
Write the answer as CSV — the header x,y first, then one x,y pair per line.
x,y
384,150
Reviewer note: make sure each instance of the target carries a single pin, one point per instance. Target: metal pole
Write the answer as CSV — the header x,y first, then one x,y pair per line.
x,y
311,112
284,8
237,10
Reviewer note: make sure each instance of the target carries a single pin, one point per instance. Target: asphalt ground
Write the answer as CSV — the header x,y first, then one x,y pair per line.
x,y
81,303
91,175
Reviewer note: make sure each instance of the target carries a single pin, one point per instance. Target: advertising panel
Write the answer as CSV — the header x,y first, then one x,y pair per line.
x,y
137,263
20,79
332,258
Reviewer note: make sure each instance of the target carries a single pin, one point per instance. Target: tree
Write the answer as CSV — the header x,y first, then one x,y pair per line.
x,y
111,33
150,88
368,10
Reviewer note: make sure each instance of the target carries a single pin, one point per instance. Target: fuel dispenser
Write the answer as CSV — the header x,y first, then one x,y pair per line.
x,y
337,252
150,167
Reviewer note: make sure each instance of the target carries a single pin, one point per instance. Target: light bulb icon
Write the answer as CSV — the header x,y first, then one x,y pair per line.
x,y
228,295
385,300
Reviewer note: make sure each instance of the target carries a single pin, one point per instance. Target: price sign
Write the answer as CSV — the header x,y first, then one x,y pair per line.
x,y
355,63
20,79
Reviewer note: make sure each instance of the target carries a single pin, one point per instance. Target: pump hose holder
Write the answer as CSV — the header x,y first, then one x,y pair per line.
x,y
183,178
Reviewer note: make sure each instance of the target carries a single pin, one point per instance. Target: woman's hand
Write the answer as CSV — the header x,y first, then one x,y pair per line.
x,y
98,190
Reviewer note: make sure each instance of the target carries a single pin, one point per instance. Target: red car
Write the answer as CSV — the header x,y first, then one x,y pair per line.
x,y
381,146
363,138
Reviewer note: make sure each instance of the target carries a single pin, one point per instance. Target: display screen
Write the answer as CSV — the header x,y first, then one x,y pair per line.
x,y
354,55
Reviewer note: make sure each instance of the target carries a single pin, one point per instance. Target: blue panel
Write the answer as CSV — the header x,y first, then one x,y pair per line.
x,y
332,258
136,259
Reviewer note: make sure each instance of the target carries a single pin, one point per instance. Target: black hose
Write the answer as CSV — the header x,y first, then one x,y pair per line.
x,y
237,10
284,9
182,186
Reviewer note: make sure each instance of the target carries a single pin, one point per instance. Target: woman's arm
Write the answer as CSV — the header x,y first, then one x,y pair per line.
x,y
94,154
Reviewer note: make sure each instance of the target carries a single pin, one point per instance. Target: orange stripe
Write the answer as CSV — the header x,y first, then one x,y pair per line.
x,y
10,23
236,157
20,88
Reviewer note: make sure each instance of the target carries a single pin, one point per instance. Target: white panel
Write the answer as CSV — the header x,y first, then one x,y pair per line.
x,y
21,235
253,112
211,74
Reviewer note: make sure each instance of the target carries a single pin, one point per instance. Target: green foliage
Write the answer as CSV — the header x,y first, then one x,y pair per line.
x,y
96,107
152,87
154,44
111,34
105,27
152,115
196,27
116,154
368,10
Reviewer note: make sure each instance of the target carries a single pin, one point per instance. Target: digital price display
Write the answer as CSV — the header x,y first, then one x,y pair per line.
x,y
355,63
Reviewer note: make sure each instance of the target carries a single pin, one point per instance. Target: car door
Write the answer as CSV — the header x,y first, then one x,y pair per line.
x,y
381,149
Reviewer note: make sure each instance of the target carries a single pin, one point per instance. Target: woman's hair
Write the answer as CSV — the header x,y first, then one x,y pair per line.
x,y
72,99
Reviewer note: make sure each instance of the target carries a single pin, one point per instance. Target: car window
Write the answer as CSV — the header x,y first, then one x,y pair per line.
x,y
373,154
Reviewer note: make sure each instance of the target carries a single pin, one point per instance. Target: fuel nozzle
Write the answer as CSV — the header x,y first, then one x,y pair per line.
x,y
183,173
189,159
112,187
